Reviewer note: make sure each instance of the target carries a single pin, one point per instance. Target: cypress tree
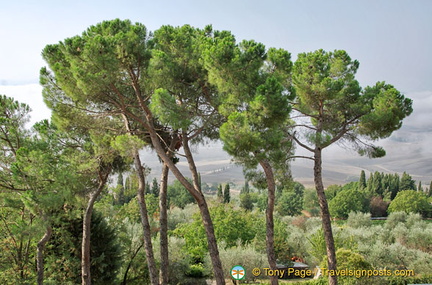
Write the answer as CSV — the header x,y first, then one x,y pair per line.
x,y
121,194
155,188
395,186
219,193
407,183
245,188
362,182
226,194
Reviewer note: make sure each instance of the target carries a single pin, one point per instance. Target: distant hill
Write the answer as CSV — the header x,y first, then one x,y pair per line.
x,y
407,150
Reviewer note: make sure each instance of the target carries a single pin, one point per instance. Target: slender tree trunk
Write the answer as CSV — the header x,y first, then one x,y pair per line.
x,y
85,245
205,214
154,278
199,198
163,214
163,223
325,215
40,254
211,241
148,247
271,256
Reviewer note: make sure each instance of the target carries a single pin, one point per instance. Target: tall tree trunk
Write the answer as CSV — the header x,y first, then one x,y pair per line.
x,y
205,213
202,205
325,215
85,245
148,247
211,241
163,214
271,256
154,278
40,254
163,223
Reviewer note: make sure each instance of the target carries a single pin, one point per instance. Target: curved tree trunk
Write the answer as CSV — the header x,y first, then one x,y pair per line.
x,y
163,223
202,205
40,254
271,187
211,241
148,247
85,245
325,215
154,278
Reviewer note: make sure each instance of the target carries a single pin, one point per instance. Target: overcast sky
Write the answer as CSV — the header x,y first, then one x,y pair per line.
x,y
392,39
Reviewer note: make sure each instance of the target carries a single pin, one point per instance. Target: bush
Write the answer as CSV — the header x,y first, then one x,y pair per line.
x,y
410,201
196,271
378,207
346,201
63,252
412,219
312,224
350,260
358,220
395,218
420,237
230,226
178,216
244,255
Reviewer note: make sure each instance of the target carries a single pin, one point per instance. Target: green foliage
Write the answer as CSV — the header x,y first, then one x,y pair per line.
x,y
183,99
318,246
63,260
155,188
178,195
395,218
347,201
219,193
350,260
132,254
196,271
383,185
359,220
18,234
127,145
289,203
226,193
328,93
310,202
410,201
389,108
181,264
246,201
165,107
230,226
244,255
362,181
332,191
407,183
177,216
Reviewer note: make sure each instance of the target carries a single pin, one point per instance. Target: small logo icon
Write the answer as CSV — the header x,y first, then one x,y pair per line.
x,y
238,272
256,271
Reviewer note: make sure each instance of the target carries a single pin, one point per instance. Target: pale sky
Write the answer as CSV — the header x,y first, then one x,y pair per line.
x,y
392,39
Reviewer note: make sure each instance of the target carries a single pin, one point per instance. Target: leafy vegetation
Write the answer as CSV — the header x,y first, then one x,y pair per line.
x,y
117,89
